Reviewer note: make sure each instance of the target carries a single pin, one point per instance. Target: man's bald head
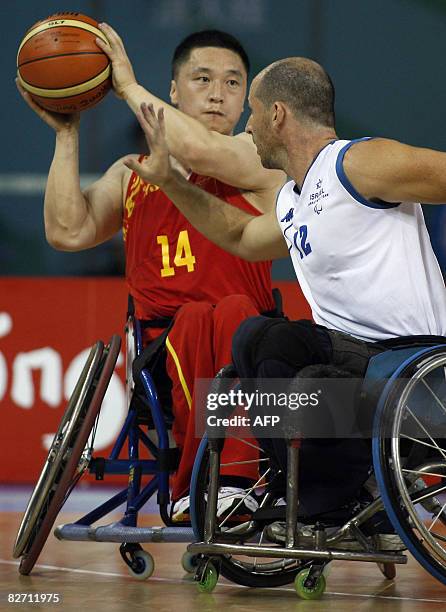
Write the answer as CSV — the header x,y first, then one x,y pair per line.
x,y
302,84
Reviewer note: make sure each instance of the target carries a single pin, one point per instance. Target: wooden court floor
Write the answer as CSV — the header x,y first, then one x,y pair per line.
x,y
91,576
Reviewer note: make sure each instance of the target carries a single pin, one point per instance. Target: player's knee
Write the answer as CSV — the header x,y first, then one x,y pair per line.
x,y
237,304
194,311
260,345
245,342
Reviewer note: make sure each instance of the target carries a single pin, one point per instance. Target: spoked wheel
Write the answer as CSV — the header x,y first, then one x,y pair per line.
x,y
409,448
69,454
249,571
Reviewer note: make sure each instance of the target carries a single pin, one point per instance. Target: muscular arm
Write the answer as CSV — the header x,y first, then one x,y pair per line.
x,y
232,160
76,220
395,172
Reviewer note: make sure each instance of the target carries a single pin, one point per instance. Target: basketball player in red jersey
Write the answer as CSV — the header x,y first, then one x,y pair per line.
x,y
171,269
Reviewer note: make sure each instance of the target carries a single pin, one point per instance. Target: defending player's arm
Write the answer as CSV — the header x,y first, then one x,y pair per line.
x,y
241,234
233,160
396,172
76,220
249,237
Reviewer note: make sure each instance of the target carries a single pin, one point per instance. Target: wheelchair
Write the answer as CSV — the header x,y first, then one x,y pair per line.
x,y
407,387
146,432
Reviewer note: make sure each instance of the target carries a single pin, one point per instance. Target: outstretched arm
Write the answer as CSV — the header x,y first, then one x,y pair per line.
x,y
76,220
233,160
252,238
396,172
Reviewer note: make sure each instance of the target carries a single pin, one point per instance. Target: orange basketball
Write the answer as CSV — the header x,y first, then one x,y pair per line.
x,y
60,64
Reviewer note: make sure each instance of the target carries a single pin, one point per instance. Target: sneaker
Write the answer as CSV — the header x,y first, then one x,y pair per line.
x,y
234,498
229,499
389,542
180,512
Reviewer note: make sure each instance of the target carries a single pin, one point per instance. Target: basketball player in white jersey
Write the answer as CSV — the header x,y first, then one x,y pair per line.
x,y
351,221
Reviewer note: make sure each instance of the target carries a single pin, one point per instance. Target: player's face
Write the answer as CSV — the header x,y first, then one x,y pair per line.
x,y
211,87
260,129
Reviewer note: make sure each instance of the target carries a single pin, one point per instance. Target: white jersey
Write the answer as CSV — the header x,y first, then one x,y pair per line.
x,y
366,268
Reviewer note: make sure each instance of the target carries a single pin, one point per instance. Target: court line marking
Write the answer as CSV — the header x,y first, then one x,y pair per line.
x,y
231,586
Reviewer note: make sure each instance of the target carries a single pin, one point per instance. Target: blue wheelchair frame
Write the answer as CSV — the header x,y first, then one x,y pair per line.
x,y
126,530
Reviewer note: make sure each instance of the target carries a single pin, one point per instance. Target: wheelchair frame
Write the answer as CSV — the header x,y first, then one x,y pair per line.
x,y
124,531
69,457
216,547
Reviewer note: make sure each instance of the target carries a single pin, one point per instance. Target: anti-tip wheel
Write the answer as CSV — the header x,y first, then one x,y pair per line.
x,y
209,578
142,566
189,562
314,592
388,570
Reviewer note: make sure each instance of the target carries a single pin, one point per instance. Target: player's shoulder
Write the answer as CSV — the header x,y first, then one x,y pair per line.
x,y
119,171
374,145
115,179
375,152
119,166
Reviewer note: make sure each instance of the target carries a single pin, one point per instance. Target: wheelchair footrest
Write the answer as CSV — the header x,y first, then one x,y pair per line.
x,y
75,533
117,532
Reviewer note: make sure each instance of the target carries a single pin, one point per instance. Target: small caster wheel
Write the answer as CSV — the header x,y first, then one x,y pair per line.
x,y
388,570
314,592
208,579
142,565
189,562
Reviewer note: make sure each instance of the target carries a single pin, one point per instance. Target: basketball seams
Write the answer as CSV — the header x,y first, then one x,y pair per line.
x,y
75,103
73,90
68,23
28,84
61,66
46,57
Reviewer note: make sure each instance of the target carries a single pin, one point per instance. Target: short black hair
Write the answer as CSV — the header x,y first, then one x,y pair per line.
x,y
207,38
302,84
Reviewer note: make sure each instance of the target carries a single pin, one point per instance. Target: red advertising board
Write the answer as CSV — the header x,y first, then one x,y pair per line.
x,y
46,329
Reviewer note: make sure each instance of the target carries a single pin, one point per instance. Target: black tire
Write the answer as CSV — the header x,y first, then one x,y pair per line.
x,y
53,489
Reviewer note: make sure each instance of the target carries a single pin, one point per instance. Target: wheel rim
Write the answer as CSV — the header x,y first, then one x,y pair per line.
x,y
68,475
385,466
56,459
403,477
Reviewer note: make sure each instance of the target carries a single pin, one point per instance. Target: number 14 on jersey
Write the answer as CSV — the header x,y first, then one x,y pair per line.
x,y
183,254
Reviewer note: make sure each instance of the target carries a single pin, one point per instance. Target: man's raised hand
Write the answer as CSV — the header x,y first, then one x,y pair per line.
x,y
155,168
122,70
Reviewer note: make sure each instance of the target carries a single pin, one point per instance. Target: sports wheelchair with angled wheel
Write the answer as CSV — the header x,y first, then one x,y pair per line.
x,y
146,433
276,545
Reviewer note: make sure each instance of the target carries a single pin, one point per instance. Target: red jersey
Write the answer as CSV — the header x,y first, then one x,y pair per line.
x,y
168,261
